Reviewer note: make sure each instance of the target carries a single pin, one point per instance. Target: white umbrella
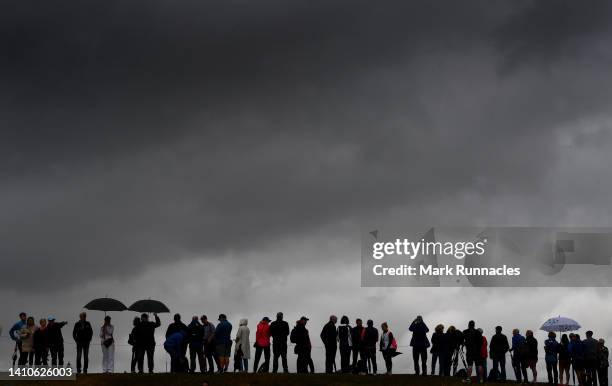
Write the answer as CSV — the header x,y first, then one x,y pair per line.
x,y
560,324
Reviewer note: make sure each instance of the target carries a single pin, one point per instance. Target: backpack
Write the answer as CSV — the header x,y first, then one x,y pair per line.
x,y
292,337
493,375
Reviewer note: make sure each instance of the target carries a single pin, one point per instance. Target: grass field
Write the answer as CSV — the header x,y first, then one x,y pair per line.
x,y
244,379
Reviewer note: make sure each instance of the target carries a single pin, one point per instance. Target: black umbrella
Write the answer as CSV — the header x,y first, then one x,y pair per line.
x,y
105,304
149,305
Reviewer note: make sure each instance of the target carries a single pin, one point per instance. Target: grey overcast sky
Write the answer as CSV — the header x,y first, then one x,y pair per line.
x,y
223,156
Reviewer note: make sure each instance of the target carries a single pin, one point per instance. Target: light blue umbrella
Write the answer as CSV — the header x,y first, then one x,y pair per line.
x,y
560,324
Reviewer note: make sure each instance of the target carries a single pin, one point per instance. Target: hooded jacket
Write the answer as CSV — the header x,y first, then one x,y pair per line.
x,y
243,341
262,335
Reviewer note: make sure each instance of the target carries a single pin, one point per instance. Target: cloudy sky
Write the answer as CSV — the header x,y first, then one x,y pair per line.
x,y
224,156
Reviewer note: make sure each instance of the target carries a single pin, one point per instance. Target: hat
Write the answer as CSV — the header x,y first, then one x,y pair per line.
x,y
51,318
265,318
304,318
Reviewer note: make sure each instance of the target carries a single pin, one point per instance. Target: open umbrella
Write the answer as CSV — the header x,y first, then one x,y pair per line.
x,y
105,304
560,324
149,305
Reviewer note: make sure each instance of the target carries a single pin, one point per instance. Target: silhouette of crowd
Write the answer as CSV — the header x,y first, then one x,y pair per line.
x,y
206,346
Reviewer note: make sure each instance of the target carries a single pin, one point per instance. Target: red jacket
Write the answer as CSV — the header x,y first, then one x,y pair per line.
x,y
483,348
262,335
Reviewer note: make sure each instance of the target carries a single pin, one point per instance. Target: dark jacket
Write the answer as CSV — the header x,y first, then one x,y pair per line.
x,y
301,338
419,335
370,338
551,349
82,332
175,327
329,335
436,340
499,346
279,330
532,343
472,339
54,334
356,335
591,346
345,335
41,340
196,335
145,333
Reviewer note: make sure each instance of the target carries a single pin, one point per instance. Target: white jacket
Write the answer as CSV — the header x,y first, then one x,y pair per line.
x,y
242,339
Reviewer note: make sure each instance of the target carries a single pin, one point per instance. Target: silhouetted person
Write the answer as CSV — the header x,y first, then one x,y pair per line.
x,y
208,339
26,335
41,344
436,342
14,332
388,347
145,341
301,339
196,345
279,329
472,339
498,348
223,342
520,352
551,349
602,363
56,341
345,339
356,336
82,333
132,342
369,341
419,343
262,344
329,336
532,358
591,347
107,341
564,360
176,326
176,346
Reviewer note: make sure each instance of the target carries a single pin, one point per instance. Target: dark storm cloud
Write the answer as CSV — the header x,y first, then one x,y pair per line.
x,y
134,133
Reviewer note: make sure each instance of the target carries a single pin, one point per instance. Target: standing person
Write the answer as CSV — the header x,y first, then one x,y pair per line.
x,y
602,363
176,326
145,341
41,344
576,349
303,347
564,359
329,336
223,342
196,345
107,341
14,333
472,339
132,342
26,336
445,350
279,329
455,341
208,339
532,358
591,346
436,340
262,344
483,356
56,341
176,346
369,341
243,344
551,350
388,347
82,334
519,352
345,343
498,348
419,343
356,335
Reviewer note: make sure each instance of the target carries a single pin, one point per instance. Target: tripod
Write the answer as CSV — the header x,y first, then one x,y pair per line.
x,y
455,361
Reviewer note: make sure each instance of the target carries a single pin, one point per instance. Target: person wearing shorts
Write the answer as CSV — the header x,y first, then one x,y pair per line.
x,y
223,342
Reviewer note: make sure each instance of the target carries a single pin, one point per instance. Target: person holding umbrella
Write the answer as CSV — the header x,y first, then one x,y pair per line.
x,y
145,341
